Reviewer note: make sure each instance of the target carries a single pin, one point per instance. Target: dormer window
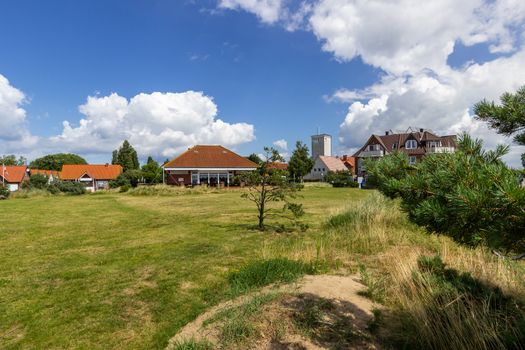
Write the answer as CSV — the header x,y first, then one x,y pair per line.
x,y
433,144
394,145
411,144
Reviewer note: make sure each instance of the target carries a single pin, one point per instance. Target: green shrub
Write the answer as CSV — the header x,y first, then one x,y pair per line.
x,y
68,187
120,181
264,272
124,188
130,178
341,179
38,181
4,191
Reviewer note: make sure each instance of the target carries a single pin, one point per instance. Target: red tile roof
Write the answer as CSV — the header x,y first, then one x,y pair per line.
x,y
333,163
47,173
278,166
207,156
348,161
13,174
95,171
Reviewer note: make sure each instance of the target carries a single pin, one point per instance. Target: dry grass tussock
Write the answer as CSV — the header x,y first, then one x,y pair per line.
x,y
440,295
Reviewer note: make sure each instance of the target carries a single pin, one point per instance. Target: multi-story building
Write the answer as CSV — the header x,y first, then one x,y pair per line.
x,y
416,144
321,145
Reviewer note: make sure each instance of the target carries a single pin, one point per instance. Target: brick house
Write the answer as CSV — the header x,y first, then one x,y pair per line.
x,y
416,144
212,165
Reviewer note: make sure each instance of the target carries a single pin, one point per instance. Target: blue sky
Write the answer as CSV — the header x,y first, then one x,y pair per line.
x,y
282,77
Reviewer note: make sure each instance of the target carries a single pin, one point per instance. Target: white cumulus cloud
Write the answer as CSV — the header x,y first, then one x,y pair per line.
x,y
156,123
411,42
14,133
282,144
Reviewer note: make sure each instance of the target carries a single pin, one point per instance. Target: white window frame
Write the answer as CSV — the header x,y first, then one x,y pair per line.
x,y
410,143
412,160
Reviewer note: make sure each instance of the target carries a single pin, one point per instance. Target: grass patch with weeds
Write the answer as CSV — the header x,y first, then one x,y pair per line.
x,y
192,344
264,272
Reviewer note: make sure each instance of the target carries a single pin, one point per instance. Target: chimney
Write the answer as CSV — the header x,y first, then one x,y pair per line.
x,y
107,164
386,133
421,130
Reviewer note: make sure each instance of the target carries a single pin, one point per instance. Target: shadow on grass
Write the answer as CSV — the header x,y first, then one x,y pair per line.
x,y
332,324
452,309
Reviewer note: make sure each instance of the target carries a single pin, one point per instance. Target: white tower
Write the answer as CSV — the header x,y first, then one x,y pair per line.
x,y
321,145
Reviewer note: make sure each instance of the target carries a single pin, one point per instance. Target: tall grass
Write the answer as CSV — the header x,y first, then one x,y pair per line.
x,y
472,300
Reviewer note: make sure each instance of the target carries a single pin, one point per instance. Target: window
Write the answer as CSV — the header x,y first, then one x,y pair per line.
x,y
394,145
374,147
411,144
433,144
412,160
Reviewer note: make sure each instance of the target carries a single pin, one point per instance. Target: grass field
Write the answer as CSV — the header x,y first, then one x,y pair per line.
x,y
121,271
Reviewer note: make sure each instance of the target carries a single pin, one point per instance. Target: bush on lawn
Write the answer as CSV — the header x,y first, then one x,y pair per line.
x,y
341,179
4,191
38,181
68,187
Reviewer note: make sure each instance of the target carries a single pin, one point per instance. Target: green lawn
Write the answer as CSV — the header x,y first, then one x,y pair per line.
x,y
121,271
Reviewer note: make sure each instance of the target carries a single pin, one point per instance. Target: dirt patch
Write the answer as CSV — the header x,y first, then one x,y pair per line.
x,y
318,312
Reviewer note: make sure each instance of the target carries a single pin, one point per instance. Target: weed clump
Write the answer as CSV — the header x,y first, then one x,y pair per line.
x,y
264,272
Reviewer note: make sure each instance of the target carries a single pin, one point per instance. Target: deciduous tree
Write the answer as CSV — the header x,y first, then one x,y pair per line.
x,y
152,172
11,160
269,185
56,161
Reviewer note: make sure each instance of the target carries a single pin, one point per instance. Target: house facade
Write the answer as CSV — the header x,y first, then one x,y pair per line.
x,y
416,144
323,165
93,176
13,176
210,165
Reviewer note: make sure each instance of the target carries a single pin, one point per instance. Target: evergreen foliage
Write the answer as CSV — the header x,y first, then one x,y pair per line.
x,y
300,162
56,161
508,118
470,195
126,156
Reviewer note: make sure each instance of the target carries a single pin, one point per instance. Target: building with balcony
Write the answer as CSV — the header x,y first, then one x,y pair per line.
x,y
416,143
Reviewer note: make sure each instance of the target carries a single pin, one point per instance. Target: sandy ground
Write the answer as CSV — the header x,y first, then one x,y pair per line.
x,y
342,291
